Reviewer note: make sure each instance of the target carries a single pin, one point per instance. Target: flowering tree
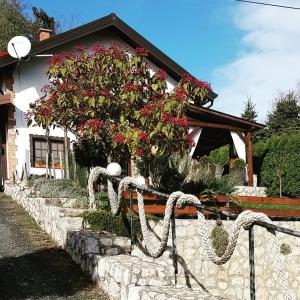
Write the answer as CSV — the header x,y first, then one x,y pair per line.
x,y
112,97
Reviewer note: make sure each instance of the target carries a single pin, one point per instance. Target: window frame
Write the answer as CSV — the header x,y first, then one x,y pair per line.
x,y
54,139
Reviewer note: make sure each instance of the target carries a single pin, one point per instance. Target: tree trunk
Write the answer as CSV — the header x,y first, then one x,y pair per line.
x,y
48,153
280,187
66,146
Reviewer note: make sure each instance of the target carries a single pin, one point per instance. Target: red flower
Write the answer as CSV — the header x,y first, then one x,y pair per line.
x,y
201,83
94,124
190,141
105,93
119,138
141,51
97,49
45,112
145,112
166,117
180,94
181,121
55,60
79,47
161,74
149,105
188,77
89,93
144,136
131,87
138,152
155,99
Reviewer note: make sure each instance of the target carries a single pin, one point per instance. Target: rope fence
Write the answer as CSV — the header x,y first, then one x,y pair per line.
x,y
245,220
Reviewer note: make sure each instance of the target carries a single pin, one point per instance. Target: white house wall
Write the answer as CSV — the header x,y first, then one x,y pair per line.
x,y
29,78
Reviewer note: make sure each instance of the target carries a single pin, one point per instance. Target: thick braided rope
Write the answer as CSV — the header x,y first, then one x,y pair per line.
x,y
179,199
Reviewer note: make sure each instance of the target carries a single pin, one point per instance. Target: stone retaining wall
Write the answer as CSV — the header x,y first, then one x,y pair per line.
x,y
232,279
105,256
138,276
254,191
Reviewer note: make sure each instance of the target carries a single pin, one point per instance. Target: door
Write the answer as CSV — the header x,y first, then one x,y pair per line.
x,y
3,130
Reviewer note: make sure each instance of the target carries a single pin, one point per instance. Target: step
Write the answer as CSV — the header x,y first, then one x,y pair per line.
x,y
116,274
168,293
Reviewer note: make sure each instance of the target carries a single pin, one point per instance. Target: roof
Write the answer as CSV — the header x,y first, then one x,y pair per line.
x,y
211,116
113,22
216,127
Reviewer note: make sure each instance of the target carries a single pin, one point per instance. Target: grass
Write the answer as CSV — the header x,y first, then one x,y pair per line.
x,y
269,206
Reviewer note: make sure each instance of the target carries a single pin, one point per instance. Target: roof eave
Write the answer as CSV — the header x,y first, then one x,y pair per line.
x,y
114,22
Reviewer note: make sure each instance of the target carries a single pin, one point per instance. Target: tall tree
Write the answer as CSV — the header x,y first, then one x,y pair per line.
x,y
112,98
14,21
249,112
285,116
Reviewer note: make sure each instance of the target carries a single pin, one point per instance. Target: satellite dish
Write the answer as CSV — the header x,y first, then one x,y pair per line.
x,y
19,47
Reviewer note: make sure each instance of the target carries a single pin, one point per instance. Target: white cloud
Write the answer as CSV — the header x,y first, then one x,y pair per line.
x,y
267,62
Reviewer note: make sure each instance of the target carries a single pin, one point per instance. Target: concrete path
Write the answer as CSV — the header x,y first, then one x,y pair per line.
x,y
32,266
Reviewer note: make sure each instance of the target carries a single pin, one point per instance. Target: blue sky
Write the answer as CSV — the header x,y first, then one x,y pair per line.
x,y
227,43
198,34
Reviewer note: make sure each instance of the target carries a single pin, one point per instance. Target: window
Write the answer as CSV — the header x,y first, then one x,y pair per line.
x,y
39,151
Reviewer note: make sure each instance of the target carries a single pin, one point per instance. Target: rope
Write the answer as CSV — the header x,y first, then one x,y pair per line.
x,y
179,200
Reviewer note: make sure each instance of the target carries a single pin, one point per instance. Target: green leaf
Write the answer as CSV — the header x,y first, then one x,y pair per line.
x,y
154,86
92,102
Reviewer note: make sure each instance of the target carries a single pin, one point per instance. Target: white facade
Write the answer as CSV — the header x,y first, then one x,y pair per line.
x,y
29,79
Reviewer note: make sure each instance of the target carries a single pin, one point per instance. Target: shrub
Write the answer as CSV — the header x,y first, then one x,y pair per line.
x,y
103,220
62,188
219,237
285,249
220,156
281,164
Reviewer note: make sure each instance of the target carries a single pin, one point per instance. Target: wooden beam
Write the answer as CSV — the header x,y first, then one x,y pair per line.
x,y
214,125
249,158
6,99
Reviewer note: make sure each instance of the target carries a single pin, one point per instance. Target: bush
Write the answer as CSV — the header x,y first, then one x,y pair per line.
x,y
281,160
220,156
103,220
221,186
220,239
60,188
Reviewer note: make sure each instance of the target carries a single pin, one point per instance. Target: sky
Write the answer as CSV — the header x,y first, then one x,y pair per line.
x,y
243,50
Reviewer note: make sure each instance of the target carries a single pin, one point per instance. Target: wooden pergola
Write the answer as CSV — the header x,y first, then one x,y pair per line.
x,y
216,132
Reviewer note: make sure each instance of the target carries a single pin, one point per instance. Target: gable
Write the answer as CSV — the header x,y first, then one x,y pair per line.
x,y
121,29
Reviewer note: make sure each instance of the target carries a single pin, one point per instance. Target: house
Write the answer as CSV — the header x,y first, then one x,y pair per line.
x,y
21,84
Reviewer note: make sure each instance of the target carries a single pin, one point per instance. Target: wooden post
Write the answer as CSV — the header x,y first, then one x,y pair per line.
x,y
249,158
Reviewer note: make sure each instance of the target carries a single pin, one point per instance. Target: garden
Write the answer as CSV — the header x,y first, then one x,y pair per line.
x,y
120,110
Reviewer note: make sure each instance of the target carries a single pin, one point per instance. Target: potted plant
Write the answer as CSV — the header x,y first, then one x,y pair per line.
x,y
40,164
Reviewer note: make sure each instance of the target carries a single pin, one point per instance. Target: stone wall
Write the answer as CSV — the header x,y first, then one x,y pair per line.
x,y
105,256
255,191
138,276
232,279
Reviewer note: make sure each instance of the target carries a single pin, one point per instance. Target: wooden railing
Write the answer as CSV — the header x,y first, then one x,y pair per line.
x,y
155,204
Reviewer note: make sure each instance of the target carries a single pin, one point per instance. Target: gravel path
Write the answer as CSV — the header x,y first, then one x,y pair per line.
x,y
32,266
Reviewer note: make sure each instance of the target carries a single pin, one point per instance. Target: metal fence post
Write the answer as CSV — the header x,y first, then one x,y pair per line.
x,y
174,247
251,263
131,219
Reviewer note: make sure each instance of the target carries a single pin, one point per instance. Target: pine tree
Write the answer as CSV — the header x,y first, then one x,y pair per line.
x,y
285,116
249,112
